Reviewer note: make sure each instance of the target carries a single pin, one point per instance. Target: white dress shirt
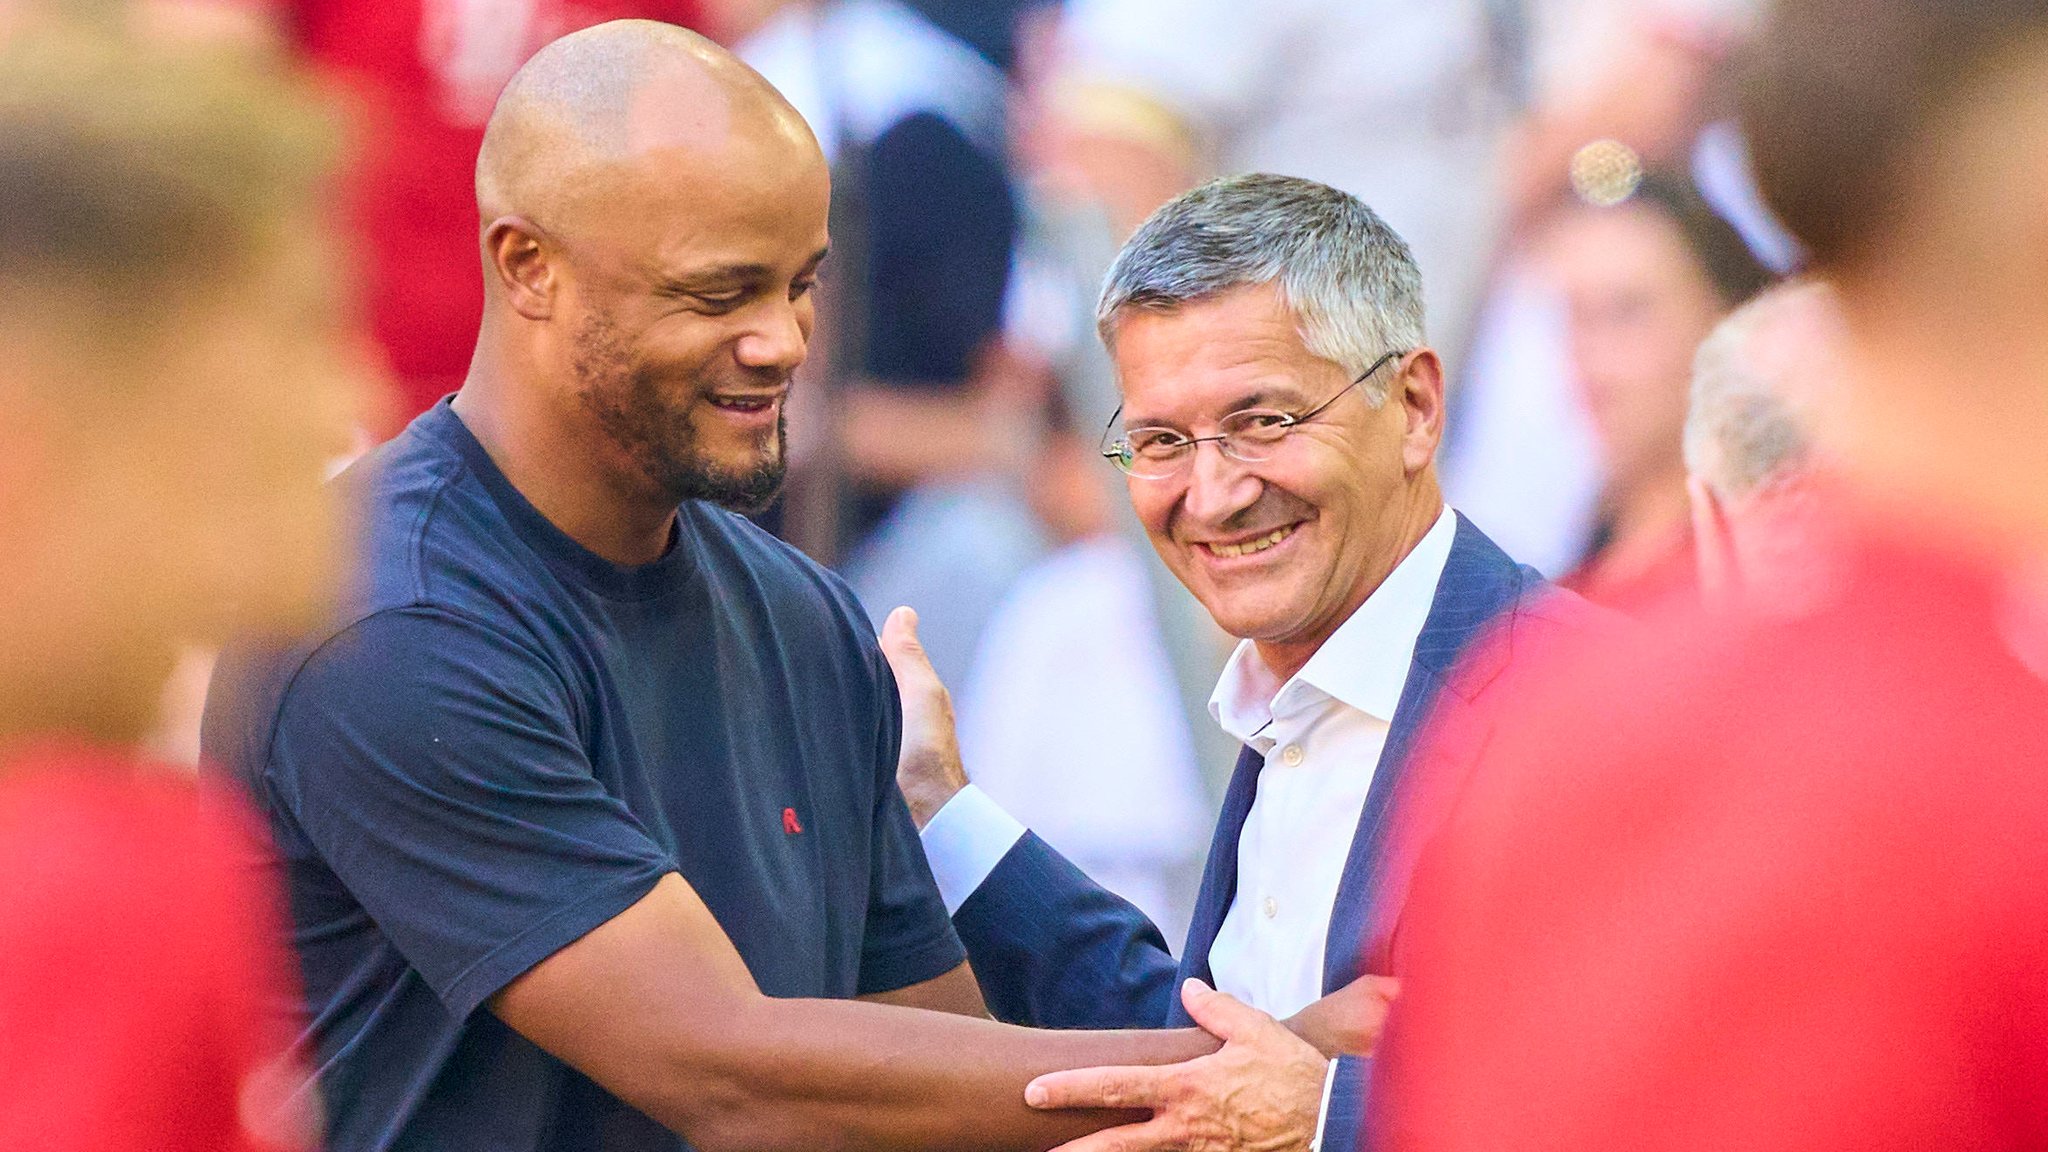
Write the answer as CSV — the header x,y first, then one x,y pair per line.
x,y
1323,731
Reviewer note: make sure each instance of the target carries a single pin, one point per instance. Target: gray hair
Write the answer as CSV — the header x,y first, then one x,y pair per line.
x,y
1350,280
1743,433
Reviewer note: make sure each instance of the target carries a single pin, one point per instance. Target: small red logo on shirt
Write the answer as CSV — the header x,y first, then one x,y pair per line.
x,y
790,823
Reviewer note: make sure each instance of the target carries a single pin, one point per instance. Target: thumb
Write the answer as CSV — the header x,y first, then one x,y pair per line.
x,y
904,651
1219,1013
900,629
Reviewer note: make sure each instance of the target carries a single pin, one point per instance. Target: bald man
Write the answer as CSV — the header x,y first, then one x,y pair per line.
x,y
1761,384
586,803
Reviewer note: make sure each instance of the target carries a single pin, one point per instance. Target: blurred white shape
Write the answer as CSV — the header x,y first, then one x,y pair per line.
x,y
1721,171
1072,722
1522,461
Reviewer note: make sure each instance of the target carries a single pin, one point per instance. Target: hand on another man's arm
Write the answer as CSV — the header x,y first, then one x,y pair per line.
x,y
928,769
1264,1090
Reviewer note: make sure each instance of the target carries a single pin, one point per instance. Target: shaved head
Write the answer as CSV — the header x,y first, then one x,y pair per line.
x,y
584,107
653,215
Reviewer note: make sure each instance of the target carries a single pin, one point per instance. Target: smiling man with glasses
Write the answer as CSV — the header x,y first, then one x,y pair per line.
x,y
1280,421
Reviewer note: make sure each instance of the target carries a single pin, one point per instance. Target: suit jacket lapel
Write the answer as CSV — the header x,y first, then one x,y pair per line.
x,y
1479,583
1219,876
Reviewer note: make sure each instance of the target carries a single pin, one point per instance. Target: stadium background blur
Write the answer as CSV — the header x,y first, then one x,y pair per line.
x,y
1564,168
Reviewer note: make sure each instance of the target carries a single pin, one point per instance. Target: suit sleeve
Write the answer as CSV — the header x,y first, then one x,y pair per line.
x,y
1054,949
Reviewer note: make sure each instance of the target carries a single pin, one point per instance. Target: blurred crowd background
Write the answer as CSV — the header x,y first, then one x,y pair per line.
x,y
1564,170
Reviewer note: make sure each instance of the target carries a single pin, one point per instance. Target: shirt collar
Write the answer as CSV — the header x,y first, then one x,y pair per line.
x,y
1364,664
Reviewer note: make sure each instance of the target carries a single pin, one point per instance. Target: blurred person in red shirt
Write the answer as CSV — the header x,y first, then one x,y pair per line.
x,y
423,75
169,397
1769,877
1643,282
1762,381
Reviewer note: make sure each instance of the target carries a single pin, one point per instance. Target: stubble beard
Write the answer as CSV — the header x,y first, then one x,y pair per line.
x,y
656,434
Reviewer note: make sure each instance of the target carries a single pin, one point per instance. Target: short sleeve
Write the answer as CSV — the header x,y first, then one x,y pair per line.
x,y
434,763
910,937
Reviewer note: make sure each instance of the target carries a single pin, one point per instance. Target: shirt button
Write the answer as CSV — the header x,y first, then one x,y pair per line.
x,y
1291,756
1272,907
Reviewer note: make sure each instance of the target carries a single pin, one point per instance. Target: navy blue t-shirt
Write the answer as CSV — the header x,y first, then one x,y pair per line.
x,y
507,740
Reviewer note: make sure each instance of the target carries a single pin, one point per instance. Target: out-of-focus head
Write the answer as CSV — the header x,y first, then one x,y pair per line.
x,y
1899,130
1274,293
1762,382
1643,282
178,368
654,216
1905,143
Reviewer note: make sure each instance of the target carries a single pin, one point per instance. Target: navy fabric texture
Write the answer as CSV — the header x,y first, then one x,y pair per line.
x,y
1344,1127
1044,938
506,740
941,227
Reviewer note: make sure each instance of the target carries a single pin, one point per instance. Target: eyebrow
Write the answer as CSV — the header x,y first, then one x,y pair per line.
x,y
1263,397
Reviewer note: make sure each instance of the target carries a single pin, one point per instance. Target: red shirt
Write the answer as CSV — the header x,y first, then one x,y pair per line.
x,y
423,75
145,996
1778,882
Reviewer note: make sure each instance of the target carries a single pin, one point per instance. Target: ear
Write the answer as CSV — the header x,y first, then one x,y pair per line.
x,y
1713,544
1419,386
524,260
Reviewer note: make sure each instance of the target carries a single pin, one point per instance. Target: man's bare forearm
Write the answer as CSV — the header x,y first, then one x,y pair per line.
x,y
830,1074
658,1007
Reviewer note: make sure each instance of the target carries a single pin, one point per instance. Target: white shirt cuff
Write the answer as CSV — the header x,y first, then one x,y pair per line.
x,y
965,840
1323,1113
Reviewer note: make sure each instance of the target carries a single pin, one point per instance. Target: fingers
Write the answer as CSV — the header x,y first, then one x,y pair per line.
x,y
1151,1136
1219,1013
1095,1088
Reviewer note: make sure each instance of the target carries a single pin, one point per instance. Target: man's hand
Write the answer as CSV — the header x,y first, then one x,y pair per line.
x,y
928,768
1261,1092
1348,1021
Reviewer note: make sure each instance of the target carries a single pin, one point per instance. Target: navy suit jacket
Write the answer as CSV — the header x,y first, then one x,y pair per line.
x,y
1055,950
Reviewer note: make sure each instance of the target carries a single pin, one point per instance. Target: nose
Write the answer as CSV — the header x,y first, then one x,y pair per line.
x,y
778,341
1218,487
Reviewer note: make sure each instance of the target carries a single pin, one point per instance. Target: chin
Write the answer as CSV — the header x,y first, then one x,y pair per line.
x,y
1248,622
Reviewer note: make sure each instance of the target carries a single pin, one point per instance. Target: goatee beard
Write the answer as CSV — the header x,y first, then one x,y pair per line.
x,y
747,492
629,403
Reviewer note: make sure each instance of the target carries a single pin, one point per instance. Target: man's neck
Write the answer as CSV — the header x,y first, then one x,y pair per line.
x,y
550,460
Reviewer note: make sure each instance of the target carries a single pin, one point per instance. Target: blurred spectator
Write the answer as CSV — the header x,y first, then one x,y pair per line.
x,y
177,375
1639,72
1400,104
1643,281
1523,458
422,75
1768,878
931,413
990,27
1761,383
1072,659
